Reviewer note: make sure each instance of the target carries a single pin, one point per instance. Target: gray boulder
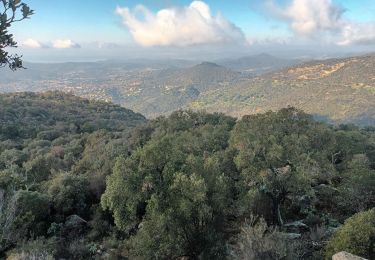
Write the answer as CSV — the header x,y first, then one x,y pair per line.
x,y
346,256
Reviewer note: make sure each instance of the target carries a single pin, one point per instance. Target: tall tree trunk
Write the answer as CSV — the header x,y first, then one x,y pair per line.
x,y
276,212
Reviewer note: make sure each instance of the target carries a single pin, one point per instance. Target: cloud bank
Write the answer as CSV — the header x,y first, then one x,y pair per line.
x,y
32,44
189,25
323,17
65,44
57,44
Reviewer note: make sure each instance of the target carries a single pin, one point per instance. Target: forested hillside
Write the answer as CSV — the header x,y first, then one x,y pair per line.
x,y
90,180
55,152
60,113
339,90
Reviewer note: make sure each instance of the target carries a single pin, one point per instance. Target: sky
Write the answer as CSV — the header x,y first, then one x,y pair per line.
x,y
127,29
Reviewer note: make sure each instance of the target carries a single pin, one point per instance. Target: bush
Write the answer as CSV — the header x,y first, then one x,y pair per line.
x,y
39,249
32,211
49,135
69,194
356,236
259,241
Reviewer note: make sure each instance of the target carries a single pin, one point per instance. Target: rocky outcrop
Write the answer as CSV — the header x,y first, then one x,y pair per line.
x,y
346,256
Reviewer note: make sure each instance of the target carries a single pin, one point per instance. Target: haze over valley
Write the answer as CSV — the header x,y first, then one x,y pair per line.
x,y
340,90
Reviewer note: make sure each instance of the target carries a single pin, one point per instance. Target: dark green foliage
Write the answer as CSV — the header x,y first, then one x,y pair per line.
x,y
174,190
69,194
194,168
32,210
279,155
82,179
357,189
24,214
11,11
52,170
50,115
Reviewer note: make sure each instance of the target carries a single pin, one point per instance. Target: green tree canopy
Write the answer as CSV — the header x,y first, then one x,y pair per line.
x,y
174,193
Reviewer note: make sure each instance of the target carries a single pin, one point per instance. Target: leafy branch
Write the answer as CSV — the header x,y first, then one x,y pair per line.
x,y
11,11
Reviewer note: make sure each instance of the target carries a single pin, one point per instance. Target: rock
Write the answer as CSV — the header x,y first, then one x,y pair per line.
x,y
75,221
296,227
346,256
292,236
74,225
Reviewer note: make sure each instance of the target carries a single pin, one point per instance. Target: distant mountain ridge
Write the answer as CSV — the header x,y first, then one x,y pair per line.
x,y
204,75
340,89
169,90
258,64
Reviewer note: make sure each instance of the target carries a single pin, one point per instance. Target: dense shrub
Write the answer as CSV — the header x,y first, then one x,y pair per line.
x,y
356,236
259,241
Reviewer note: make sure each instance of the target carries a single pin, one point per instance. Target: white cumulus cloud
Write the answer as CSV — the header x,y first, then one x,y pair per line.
x,y
184,26
310,16
64,44
31,43
318,17
358,33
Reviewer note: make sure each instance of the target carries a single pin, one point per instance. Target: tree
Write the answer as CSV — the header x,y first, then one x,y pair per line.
x,y
174,203
357,189
276,184
12,11
273,159
69,194
23,215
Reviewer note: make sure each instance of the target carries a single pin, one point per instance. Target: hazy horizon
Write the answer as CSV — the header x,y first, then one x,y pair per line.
x,y
195,30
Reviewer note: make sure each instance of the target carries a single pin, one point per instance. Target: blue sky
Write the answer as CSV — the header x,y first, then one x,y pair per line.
x,y
72,28
94,20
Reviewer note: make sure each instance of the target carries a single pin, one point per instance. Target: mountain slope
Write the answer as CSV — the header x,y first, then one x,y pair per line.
x,y
203,76
168,90
340,89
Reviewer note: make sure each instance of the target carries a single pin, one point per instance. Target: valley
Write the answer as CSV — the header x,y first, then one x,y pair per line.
x,y
336,90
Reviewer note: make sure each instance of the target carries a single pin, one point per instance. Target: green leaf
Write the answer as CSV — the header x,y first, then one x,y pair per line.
x,y
3,18
26,11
